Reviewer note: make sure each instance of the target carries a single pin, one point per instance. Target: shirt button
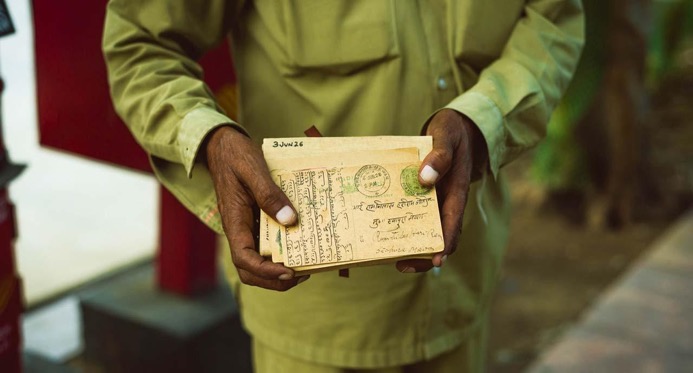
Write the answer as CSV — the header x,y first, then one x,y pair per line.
x,y
442,83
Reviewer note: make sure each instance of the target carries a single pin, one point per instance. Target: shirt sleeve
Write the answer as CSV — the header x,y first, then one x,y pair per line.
x,y
512,101
151,48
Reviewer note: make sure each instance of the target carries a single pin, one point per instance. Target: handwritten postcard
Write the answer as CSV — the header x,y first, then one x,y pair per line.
x,y
354,207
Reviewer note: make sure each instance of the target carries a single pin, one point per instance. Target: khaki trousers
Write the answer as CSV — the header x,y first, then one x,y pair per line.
x,y
469,357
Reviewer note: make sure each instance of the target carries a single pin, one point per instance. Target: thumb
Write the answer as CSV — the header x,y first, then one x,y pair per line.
x,y
269,197
250,167
437,163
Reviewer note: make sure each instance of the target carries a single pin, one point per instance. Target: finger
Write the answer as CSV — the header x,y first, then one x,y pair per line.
x,y
250,260
452,214
414,265
239,226
437,163
243,249
251,279
252,170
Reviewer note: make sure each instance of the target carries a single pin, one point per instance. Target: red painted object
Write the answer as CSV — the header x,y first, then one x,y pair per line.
x,y
8,233
75,110
76,115
10,342
10,295
187,261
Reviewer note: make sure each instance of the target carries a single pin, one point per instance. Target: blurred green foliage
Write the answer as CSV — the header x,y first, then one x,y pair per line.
x,y
673,24
560,161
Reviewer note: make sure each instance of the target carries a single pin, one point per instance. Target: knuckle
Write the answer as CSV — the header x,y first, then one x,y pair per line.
x,y
242,263
441,157
439,130
452,216
235,258
446,156
269,198
244,277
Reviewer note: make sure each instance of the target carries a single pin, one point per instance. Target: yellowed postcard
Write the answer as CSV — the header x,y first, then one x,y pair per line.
x,y
347,214
358,200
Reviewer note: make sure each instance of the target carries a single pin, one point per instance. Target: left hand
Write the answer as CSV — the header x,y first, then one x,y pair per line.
x,y
449,167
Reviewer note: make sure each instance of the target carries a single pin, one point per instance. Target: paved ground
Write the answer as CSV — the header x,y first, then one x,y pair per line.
x,y
643,322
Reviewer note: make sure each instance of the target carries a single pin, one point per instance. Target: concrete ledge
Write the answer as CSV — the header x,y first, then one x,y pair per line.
x,y
33,363
130,326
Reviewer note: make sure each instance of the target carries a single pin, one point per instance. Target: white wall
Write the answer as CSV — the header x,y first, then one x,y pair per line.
x,y
77,219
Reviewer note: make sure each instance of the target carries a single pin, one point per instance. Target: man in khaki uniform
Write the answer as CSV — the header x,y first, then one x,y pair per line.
x,y
481,77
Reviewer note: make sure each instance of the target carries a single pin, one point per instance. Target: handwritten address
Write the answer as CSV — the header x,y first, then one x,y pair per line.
x,y
336,225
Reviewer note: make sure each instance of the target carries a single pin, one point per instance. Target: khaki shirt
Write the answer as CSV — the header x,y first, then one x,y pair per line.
x,y
352,68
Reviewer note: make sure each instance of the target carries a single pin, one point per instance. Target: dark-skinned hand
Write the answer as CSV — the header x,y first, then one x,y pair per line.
x,y
449,167
243,183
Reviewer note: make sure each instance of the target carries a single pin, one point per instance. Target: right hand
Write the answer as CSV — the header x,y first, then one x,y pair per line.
x,y
242,183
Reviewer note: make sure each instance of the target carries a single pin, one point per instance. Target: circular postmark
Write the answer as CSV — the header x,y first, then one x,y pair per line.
x,y
409,178
372,180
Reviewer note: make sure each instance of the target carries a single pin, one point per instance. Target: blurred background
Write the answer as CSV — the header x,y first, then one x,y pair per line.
x,y
601,251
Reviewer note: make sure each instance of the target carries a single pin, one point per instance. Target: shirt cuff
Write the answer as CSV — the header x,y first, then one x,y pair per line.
x,y
488,118
195,127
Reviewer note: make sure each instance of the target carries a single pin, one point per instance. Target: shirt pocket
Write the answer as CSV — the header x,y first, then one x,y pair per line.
x,y
480,29
339,37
